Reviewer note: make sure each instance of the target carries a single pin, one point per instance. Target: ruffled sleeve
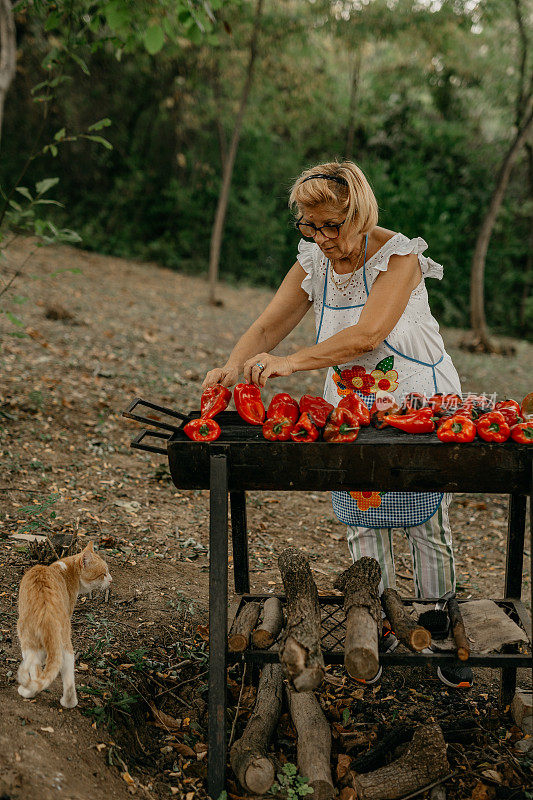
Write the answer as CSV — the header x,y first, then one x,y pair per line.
x,y
307,261
400,245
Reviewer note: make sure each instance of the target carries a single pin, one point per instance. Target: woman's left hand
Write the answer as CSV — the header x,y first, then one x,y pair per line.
x,y
274,366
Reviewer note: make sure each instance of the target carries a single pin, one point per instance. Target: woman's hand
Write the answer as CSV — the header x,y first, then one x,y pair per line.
x,y
227,376
274,366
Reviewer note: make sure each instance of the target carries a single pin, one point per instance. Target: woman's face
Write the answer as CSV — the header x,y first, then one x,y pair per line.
x,y
348,241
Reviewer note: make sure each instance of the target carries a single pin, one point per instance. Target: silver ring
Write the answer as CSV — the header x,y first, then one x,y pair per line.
x,y
261,366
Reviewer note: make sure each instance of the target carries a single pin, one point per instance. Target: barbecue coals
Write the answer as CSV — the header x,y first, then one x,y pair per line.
x,y
312,418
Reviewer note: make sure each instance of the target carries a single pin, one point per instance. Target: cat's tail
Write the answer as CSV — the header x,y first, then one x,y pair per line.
x,y
54,661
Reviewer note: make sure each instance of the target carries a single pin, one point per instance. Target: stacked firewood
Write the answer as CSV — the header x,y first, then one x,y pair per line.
x,y
296,636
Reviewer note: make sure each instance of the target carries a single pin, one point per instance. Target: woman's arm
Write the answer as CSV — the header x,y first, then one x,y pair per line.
x,y
286,309
385,305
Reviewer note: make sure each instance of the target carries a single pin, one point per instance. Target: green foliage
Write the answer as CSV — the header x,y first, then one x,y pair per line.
x,y
290,784
434,108
39,514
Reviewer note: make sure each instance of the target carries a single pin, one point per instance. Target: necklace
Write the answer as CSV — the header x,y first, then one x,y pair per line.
x,y
339,284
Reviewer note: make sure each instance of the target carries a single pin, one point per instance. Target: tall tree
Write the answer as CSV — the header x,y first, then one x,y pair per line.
x,y
8,52
229,161
523,127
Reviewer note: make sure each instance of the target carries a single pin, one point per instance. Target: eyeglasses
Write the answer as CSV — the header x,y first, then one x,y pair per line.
x,y
309,231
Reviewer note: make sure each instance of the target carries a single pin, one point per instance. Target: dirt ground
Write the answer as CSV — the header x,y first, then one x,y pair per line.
x,y
101,331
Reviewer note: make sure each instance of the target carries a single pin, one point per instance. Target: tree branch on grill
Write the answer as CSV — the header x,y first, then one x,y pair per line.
x,y
458,629
359,584
242,627
300,651
314,742
423,763
410,633
268,631
249,755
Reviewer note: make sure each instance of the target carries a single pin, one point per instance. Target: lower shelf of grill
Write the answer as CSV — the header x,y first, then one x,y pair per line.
x,y
333,633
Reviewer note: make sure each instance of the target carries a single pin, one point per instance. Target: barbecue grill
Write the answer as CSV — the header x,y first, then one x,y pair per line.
x,y
241,459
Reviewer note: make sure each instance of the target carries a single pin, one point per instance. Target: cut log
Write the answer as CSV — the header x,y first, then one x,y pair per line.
x,y
423,763
458,629
268,631
300,651
409,632
314,743
243,625
359,584
249,755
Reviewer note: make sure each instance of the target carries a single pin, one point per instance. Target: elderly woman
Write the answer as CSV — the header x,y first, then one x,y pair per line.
x,y
374,330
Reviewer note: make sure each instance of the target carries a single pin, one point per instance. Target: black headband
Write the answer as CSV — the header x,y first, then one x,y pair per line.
x,y
342,181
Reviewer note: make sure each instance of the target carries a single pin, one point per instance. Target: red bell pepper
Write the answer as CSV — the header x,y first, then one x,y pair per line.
x,y
492,427
305,429
353,403
475,406
202,430
317,407
341,426
457,429
526,407
248,403
414,401
383,405
419,421
510,410
214,400
523,432
283,405
278,429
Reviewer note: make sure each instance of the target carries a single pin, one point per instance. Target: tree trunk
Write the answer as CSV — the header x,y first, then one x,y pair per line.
x,y
300,651
243,625
227,174
424,762
360,584
458,629
528,276
409,632
314,743
249,755
477,276
268,631
8,53
350,133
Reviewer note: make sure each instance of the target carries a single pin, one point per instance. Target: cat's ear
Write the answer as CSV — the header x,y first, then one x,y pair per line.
x,y
87,554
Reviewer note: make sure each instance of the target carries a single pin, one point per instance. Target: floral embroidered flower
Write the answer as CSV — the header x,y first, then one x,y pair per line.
x,y
342,387
366,500
386,381
358,378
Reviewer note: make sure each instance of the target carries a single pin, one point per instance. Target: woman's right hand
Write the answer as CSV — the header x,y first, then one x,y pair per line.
x,y
227,376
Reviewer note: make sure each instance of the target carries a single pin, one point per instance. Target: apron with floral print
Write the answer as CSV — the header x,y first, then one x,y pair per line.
x,y
386,368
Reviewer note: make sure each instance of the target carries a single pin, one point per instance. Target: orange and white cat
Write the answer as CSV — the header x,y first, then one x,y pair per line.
x,y
47,597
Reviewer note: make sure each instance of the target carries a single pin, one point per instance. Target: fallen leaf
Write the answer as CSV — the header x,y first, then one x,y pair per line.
x,y
483,792
347,794
343,765
127,777
163,720
184,750
493,775
101,746
203,631
48,729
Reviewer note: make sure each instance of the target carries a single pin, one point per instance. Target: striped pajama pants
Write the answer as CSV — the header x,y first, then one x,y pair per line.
x,y
431,550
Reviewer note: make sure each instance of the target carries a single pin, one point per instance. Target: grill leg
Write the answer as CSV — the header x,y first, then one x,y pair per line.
x,y
218,622
513,578
239,535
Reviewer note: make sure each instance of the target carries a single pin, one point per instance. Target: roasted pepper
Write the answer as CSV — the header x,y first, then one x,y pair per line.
x,y
444,403
248,403
419,421
414,401
526,407
341,426
354,404
457,429
305,429
214,400
510,410
278,429
384,404
317,407
492,427
475,406
523,432
202,430
283,405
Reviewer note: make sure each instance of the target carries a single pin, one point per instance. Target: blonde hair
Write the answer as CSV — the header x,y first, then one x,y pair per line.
x,y
356,199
